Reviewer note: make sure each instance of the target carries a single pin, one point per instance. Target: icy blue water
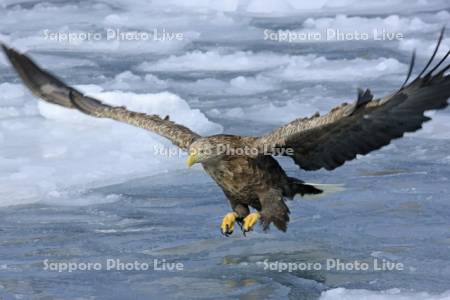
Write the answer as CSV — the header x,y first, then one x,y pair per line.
x,y
78,190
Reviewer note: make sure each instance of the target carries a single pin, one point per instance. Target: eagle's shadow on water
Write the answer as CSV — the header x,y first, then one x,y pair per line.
x,y
272,264
302,284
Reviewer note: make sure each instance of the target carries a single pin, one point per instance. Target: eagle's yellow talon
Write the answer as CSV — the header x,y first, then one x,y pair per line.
x,y
227,226
250,221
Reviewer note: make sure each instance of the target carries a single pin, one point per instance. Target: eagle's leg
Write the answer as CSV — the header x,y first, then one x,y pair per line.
x,y
250,221
237,215
273,209
228,221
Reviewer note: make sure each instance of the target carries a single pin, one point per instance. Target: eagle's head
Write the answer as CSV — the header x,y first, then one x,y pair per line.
x,y
203,150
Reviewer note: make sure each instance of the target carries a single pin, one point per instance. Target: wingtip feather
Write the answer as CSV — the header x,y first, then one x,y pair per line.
x,y
4,47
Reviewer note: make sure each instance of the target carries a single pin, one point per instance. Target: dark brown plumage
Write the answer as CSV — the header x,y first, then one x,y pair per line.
x,y
253,178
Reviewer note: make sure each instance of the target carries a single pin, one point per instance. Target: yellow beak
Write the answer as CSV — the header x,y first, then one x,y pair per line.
x,y
192,159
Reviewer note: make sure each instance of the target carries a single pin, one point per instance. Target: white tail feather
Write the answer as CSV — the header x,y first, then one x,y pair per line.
x,y
326,188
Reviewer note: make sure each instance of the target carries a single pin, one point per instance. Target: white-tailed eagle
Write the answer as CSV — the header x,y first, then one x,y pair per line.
x,y
243,166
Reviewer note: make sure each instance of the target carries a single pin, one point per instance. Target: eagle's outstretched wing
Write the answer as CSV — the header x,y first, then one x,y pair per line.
x,y
53,90
329,141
